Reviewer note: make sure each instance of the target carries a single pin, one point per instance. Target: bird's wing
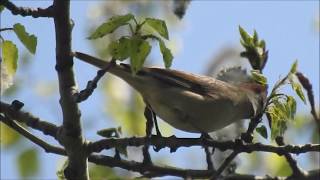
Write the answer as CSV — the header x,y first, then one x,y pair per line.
x,y
199,84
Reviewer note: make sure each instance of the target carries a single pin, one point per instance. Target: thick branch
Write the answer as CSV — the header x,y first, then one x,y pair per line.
x,y
173,143
26,11
30,120
47,147
70,135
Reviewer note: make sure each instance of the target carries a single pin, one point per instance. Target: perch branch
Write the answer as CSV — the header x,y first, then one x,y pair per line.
x,y
27,11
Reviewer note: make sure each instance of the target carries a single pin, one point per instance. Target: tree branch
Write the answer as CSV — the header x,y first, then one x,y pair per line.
x,y
174,143
30,120
26,11
70,135
92,85
47,147
296,171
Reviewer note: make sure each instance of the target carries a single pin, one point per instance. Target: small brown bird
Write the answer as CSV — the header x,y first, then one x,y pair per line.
x,y
189,102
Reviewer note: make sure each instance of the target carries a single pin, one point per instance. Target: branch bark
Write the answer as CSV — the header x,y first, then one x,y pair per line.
x,y
70,135
26,11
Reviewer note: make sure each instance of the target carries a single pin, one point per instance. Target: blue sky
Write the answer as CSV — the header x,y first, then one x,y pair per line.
x,y
288,28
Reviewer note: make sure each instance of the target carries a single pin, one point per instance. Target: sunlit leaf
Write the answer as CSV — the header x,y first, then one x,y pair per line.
x,y
139,52
29,41
296,86
291,107
166,54
278,115
262,130
258,77
10,56
8,136
294,67
112,24
120,49
28,162
158,25
245,36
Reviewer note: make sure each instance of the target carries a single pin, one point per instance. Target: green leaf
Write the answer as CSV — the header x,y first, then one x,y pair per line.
x,y
255,38
262,44
296,86
291,107
262,130
258,77
114,23
28,162
1,8
10,56
166,54
294,66
139,52
109,132
29,41
158,25
8,136
120,49
278,115
244,35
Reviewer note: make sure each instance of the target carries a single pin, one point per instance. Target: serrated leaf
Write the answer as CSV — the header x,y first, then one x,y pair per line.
x,y
291,107
294,66
158,25
262,130
28,162
112,24
297,88
109,132
166,54
139,52
244,35
278,115
258,77
120,49
10,56
29,41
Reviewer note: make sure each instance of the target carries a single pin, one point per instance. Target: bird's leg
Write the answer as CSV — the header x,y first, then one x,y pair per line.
x,y
154,117
206,136
149,126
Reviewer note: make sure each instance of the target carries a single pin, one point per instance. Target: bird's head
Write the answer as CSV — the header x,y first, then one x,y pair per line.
x,y
257,93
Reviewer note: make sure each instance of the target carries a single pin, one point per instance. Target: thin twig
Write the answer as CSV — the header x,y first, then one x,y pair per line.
x,y
224,165
6,29
27,11
92,85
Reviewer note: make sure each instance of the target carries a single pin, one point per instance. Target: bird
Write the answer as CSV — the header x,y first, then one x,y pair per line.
x,y
190,102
